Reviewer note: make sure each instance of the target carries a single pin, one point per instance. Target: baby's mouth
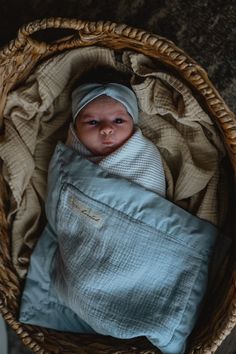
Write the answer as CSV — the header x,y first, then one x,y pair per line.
x,y
108,142
108,146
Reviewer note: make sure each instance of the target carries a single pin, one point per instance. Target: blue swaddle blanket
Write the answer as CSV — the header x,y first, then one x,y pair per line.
x,y
116,259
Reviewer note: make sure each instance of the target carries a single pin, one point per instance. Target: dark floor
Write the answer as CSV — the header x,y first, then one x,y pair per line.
x,y
205,29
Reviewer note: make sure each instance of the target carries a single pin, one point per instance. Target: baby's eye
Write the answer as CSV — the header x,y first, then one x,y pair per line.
x,y
92,122
119,120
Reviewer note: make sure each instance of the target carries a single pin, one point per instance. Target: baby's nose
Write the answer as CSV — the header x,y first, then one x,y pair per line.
x,y
106,129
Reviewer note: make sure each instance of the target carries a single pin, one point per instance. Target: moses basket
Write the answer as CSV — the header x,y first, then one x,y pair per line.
x,y
17,60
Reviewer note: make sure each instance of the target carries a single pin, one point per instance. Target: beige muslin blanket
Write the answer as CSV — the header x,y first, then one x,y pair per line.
x,y
37,115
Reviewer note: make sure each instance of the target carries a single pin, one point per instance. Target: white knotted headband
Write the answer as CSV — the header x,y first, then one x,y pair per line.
x,y
86,93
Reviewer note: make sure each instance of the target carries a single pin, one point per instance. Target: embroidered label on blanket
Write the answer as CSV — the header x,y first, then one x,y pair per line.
x,y
85,210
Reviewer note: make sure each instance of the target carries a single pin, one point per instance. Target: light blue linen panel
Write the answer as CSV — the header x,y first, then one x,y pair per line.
x,y
128,263
40,304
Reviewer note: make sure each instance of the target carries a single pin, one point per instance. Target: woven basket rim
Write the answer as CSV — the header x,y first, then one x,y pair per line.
x,y
103,32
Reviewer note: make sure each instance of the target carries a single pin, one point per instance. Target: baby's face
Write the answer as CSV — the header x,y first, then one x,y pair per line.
x,y
103,125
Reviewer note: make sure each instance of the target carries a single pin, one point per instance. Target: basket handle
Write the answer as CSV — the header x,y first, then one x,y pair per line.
x,y
86,32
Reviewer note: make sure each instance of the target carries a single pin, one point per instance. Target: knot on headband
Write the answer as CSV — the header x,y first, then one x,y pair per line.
x,y
86,93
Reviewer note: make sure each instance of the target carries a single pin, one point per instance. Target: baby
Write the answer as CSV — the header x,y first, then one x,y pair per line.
x,y
105,131
104,123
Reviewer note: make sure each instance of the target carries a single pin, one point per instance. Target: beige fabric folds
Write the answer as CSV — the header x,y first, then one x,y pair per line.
x,y
37,115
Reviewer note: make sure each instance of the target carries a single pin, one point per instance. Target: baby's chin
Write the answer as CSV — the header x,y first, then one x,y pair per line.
x,y
106,150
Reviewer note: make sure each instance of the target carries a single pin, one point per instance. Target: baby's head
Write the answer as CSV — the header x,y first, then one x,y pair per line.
x,y
104,115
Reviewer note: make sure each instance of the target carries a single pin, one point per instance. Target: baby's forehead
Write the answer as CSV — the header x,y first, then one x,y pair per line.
x,y
111,94
103,105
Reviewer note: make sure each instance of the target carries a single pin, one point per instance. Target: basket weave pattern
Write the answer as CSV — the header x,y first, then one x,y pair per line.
x,y
17,60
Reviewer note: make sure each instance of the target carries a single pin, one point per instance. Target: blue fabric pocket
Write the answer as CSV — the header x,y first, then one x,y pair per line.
x,y
128,262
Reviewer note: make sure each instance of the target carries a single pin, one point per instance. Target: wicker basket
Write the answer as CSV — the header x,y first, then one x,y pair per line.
x,y
17,60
